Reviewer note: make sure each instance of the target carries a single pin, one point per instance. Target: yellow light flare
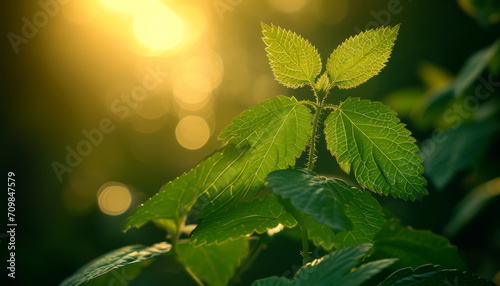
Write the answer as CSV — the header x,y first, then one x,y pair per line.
x,y
288,6
113,198
127,6
156,26
192,132
192,90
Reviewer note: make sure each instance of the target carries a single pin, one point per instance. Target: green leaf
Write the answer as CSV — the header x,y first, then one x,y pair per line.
x,y
428,275
361,57
383,155
455,150
334,269
120,276
471,205
409,274
174,201
268,136
473,67
320,234
116,259
294,60
313,195
414,247
241,220
278,131
328,199
214,264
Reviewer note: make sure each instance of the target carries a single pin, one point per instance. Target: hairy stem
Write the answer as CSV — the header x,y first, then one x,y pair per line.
x,y
312,149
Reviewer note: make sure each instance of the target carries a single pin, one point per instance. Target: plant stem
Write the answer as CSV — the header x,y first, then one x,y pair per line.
x,y
305,241
310,164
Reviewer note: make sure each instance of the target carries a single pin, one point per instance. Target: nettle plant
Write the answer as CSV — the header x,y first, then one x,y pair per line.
x,y
251,187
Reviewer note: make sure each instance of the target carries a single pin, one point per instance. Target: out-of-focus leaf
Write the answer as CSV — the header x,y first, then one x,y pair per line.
x,y
361,57
116,259
323,198
486,12
294,60
383,155
413,248
428,275
405,101
471,205
473,68
455,149
335,268
214,264
241,220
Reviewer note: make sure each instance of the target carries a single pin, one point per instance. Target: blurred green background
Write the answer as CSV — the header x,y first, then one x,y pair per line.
x,y
160,79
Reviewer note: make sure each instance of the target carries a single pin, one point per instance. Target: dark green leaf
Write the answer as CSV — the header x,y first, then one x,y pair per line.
x,y
361,57
313,195
327,199
414,247
241,220
428,275
455,149
473,68
334,269
320,234
214,264
116,259
471,205
410,274
383,155
294,60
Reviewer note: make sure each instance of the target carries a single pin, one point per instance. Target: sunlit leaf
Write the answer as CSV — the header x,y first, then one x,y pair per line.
x,y
361,57
214,264
414,247
242,219
383,155
116,259
294,60
354,213
455,149
277,131
336,268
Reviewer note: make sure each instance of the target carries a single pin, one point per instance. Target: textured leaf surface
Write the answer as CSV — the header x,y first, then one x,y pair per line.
x,y
383,155
313,195
294,60
241,220
116,259
409,274
324,199
216,174
456,149
414,247
214,264
279,132
334,269
361,57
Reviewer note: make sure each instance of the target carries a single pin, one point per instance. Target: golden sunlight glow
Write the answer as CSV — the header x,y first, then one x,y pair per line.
x,y
128,6
192,132
288,6
156,26
192,91
113,198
